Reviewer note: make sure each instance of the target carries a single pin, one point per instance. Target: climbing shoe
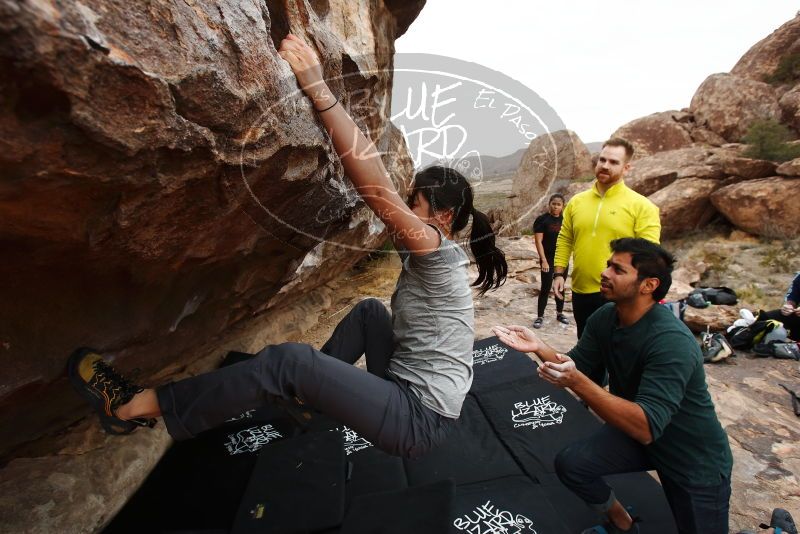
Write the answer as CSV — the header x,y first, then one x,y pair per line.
x,y
105,390
782,522
538,322
610,528
561,318
715,348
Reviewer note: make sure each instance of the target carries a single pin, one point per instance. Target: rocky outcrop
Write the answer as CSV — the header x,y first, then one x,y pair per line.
x,y
790,108
165,183
658,132
680,181
731,164
715,318
769,57
728,105
655,172
767,206
764,57
681,157
684,205
789,168
704,136
556,158
91,475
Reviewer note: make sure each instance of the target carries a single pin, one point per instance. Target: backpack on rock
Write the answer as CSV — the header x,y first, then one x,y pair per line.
x,y
745,337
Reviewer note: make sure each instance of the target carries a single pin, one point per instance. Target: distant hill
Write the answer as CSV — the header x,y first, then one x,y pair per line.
x,y
594,147
501,167
494,167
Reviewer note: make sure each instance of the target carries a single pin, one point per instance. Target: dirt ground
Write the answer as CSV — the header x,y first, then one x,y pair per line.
x,y
755,411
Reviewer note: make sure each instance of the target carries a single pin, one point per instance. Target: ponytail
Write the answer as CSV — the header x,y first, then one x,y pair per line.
x,y
491,261
446,188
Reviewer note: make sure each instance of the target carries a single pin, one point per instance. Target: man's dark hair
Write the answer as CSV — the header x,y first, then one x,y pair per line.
x,y
650,260
618,141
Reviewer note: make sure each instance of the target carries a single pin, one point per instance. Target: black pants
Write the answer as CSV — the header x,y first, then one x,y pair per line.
x,y
609,451
790,322
544,290
583,306
384,411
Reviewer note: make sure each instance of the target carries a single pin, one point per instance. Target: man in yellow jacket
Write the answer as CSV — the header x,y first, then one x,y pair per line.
x,y
594,218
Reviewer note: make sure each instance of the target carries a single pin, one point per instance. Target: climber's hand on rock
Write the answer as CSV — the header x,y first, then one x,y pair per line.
x,y
306,66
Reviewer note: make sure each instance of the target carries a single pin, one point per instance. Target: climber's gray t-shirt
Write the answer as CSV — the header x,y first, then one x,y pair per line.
x,y
434,327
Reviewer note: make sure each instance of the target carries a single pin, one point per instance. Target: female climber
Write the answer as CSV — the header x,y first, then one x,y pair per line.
x,y
419,358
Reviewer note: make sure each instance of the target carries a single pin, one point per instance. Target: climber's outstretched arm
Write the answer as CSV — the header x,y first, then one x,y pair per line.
x,y
361,160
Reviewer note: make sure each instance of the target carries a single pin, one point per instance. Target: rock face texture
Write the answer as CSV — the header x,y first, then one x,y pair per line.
x,y
684,205
728,105
764,207
667,130
790,108
163,181
556,159
652,173
764,57
789,168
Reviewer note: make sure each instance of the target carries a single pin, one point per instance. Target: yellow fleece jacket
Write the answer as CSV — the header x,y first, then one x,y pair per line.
x,y
592,221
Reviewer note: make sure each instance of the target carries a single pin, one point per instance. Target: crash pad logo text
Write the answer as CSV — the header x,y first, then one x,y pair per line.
x,y
353,442
251,439
539,412
492,353
489,519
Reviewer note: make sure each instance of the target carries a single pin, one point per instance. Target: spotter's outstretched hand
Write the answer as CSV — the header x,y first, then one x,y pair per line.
x,y
518,338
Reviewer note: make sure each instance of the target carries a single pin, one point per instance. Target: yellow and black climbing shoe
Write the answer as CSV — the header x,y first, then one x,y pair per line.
x,y
104,389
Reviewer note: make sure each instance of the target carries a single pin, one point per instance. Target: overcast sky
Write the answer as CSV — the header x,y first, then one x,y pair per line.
x,y
599,64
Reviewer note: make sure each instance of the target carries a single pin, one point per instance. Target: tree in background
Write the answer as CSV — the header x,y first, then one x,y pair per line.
x,y
768,139
788,70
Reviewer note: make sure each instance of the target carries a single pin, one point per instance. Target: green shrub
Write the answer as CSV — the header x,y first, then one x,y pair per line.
x,y
788,70
768,140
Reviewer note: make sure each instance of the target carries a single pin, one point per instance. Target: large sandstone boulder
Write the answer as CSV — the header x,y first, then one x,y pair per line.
x,y
652,173
165,184
790,107
684,205
789,168
707,137
731,164
764,57
558,157
767,206
714,318
728,105
658,132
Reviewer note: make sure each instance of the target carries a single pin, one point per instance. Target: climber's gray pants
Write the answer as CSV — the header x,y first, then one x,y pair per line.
x,y
382,410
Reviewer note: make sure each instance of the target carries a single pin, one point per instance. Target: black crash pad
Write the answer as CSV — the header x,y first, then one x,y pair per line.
x,y
494,473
